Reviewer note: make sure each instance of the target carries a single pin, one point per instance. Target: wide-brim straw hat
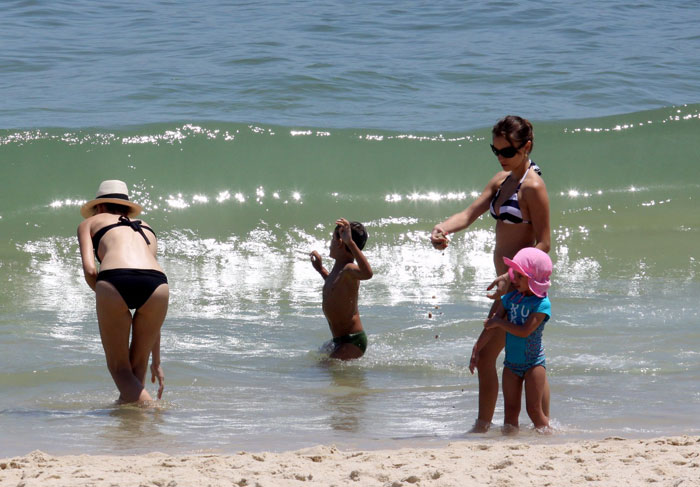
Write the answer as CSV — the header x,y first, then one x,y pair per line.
x,y
111,191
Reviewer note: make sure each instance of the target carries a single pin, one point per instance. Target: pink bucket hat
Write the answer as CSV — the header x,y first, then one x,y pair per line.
x,y
535,265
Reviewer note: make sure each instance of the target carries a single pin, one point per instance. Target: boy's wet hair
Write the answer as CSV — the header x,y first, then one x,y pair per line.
x,y
358,233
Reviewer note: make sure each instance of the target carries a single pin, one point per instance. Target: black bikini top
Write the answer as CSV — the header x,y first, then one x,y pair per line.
x,y
123,222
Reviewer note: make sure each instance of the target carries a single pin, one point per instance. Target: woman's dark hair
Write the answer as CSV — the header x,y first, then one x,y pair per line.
x,y
116,209
516,130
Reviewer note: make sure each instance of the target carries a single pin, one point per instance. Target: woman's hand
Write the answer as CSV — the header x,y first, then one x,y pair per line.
x,y
438,237
474,360
157,372
501,283
491,323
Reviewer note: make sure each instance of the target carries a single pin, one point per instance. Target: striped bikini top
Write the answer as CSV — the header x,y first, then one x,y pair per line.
x,y
124,221
509,212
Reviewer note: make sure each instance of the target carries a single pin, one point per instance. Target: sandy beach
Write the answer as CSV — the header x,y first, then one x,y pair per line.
x,y
671,461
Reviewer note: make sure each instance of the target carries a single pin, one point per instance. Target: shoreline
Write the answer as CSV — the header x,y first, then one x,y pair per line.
x,y
613,461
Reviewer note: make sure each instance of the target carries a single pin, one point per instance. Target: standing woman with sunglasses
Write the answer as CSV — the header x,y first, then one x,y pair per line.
x,y
517,199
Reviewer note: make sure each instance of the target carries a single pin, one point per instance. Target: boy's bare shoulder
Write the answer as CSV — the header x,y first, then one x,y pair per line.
x,y
350,269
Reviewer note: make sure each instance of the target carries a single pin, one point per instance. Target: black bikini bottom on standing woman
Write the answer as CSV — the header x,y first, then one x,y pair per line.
x,y
134,285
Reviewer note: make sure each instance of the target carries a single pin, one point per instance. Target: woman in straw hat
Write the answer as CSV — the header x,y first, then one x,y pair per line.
x,y
517,199
129,277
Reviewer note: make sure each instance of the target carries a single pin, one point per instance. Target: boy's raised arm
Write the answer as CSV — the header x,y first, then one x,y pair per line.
x,y
363,270
317,262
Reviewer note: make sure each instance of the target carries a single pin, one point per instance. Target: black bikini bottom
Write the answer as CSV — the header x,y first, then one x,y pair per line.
x,y
134,285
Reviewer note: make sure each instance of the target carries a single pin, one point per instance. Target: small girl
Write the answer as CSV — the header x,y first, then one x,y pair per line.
x,y
527,309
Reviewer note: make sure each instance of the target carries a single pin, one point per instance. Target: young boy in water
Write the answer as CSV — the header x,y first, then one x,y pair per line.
x,y
527,310
341,288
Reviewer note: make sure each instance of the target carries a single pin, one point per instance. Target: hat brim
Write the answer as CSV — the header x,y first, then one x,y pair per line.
x,y
538,289
514,265
88,209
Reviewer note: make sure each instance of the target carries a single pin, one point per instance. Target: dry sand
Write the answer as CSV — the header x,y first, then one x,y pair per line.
x,y
672,462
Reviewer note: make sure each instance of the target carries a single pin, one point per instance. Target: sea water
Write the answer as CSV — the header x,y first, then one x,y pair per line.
x,y
246,130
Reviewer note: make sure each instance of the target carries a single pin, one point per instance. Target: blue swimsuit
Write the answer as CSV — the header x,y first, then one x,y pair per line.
x,y
524,353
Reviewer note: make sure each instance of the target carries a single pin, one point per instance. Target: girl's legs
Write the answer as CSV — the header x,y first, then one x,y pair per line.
x,y
146,329
545,397
114,319
535,384
512,391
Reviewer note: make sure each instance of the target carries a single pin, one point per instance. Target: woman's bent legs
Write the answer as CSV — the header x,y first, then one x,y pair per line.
x,y
128,363
148,320
115,327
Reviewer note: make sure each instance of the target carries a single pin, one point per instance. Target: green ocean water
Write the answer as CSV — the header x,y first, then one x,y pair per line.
x,y
615,176
238,208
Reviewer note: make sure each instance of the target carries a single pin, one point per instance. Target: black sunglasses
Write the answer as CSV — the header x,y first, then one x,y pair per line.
x,y
509,151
